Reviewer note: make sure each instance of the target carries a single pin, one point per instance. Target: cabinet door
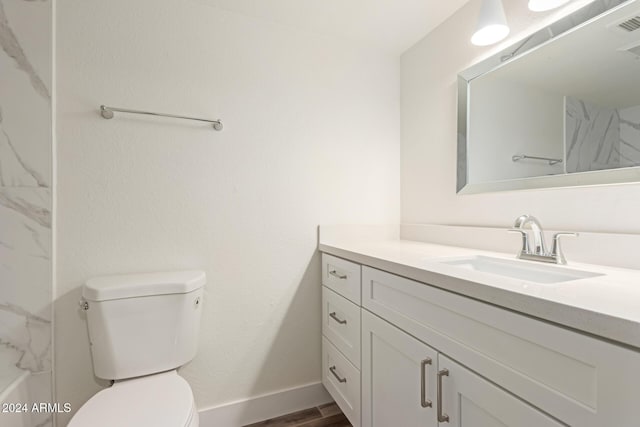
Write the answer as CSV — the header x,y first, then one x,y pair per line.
x,y
398,377
468,400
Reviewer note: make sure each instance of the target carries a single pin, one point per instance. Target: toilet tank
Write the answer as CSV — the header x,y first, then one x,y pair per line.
x,y
140,324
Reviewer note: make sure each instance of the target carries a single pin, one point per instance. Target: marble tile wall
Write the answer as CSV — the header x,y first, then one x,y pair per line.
x,y
26,197
599,138
630,136
592,136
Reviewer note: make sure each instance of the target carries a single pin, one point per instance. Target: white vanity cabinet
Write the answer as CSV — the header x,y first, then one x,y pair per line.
x,y
573,378
405,382
423,347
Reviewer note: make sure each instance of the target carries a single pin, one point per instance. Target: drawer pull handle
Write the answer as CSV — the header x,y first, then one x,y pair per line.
x,y
337,319
333,371
426,403
442,418
338,275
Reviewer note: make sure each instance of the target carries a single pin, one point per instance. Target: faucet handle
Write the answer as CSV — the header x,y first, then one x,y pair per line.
x,y
525,239
556,251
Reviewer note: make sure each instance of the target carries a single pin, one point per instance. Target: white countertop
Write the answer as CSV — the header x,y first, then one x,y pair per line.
x,y
607,306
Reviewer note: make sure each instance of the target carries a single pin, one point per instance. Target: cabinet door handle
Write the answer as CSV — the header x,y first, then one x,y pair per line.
x,y
442,418
423,383
338,275
337,319
333,371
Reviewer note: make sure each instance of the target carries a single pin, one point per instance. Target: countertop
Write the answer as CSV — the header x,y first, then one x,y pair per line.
x,y
607,306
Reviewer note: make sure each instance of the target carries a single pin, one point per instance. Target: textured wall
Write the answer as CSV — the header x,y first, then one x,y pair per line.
x,y
311,137
428,165
25,200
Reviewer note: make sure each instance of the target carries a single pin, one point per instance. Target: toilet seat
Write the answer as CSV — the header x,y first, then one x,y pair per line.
x,y
160,400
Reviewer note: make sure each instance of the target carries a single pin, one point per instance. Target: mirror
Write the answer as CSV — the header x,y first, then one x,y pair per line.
x,y
559,108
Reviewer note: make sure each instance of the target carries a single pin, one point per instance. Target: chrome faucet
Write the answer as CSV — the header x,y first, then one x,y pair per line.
x,y
536,230
539,251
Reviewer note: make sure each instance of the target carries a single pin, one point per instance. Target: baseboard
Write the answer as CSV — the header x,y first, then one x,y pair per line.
x,y
264,407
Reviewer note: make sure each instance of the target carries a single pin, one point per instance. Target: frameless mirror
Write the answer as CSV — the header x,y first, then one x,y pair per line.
x,y
560,108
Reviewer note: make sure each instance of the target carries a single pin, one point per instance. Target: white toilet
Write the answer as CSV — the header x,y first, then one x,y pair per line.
x,y
142,327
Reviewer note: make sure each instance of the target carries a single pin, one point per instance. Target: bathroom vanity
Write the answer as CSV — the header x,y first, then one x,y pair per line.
x,y
412,338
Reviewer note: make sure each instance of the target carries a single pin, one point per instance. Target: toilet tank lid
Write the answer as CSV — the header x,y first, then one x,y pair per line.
x,y
105,288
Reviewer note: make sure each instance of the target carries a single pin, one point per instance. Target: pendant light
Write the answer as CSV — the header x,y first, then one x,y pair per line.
x,y
544,5
492,24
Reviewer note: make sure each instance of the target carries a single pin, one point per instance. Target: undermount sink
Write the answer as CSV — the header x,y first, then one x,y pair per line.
x,y
523,270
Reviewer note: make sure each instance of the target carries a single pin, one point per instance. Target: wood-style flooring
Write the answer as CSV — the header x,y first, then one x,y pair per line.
x,y
328,415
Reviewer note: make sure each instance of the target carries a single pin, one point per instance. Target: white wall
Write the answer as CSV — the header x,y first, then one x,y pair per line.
x,y
428,153
311,136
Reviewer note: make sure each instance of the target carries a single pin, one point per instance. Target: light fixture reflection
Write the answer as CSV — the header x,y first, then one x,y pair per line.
x,y
492,24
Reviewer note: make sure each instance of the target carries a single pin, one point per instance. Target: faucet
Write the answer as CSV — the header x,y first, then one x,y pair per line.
x,y
536,230
539,250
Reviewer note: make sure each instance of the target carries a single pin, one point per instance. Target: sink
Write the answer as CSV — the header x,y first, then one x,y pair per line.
x,y
522,270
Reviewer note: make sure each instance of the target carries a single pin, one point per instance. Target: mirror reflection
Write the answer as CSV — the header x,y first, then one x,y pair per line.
x,y
568,106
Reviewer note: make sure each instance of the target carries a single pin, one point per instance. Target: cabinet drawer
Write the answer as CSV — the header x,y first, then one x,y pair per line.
x,y
342,277
578,379
342,380
341,324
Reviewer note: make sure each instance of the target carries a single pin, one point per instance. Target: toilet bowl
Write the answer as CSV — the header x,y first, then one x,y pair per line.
x,y
160,400
142,327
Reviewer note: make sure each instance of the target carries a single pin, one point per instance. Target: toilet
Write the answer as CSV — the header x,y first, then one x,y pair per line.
x,y
142,327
